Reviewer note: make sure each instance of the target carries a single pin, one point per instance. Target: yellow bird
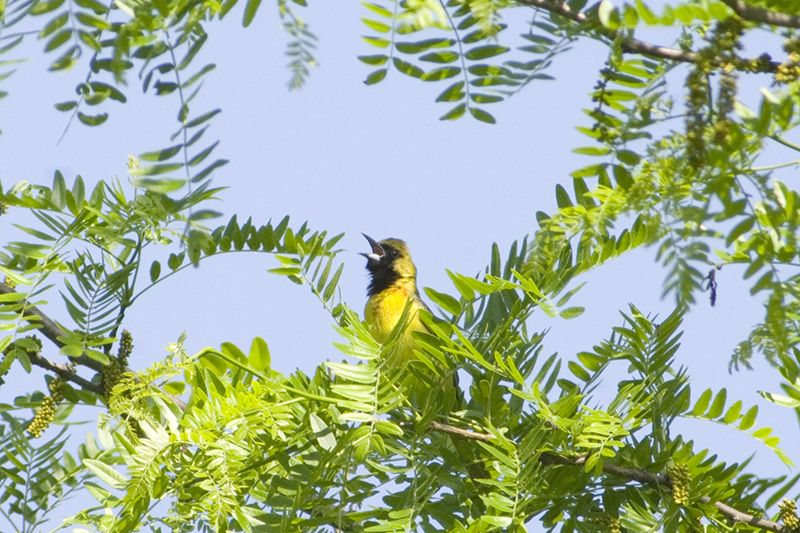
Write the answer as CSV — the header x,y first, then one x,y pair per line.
x,y
393,284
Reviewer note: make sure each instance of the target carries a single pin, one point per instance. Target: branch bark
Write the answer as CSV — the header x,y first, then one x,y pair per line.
x,y
52,332
635,46
66,372
765,16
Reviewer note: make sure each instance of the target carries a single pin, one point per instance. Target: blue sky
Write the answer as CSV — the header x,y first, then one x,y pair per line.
x,y
351,158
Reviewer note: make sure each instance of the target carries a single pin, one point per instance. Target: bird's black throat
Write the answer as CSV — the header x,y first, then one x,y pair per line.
x,y
383,277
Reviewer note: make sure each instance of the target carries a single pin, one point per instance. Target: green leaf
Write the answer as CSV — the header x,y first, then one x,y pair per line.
x,y
454,113
92,120
407,68
592,150
374,60
579,371
445,301
106,473
733,413
40,8
572,312
482,115
608,15
56,23
250,11
485,98
376,25
59,192
66,106
441,74
485,51
154,170
562,198
155,271
259,357
780,399
329,290
421,46
202,118
162,185
376,76
377,41
445,56
161,155
740,229
749,418
719,404
377,9
324,435
453,93
59,39
94,5
702,403
93,21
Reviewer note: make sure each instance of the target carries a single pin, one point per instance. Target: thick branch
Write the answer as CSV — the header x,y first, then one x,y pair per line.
x,y
65,372
757,14
630,45
52,331
641,476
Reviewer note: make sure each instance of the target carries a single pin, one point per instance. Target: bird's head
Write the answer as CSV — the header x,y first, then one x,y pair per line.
x,y
388,262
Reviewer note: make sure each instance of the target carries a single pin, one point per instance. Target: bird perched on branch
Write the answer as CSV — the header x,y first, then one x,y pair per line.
x,y
392,287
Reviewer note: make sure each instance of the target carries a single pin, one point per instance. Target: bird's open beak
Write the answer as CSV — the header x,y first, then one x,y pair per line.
x,y
377,251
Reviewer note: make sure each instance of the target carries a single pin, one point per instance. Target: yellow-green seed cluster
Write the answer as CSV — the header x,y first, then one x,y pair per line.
x,y
610,524
125,347
680,477
789,70
114,370
112,373
789,514
47,410
720,56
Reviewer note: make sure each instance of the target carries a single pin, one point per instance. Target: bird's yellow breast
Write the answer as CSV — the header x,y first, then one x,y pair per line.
x,y
384,310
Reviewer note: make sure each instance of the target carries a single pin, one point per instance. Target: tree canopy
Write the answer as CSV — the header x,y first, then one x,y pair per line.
x,y
220,440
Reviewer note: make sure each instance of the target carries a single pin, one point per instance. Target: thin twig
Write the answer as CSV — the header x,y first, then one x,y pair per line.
x,y
642,476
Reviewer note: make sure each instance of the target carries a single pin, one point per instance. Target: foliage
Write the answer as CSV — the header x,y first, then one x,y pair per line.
x,y
231,444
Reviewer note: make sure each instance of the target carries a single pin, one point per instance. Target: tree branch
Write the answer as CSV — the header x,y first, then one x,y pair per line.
x,y
635,46
641,476
757,14
52,331
65,372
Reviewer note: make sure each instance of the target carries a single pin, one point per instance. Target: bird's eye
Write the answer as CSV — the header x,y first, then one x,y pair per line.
x,y
394,253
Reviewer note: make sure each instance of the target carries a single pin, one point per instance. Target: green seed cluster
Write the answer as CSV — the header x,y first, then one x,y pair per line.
x,y
696,99
789,70
789,514
113,371
47,410
719,55
609,524
125,347
680,477
3,209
